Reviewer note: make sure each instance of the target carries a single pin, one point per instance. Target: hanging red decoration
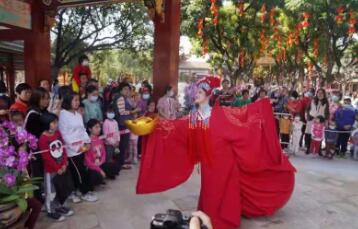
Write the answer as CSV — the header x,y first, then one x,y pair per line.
x,y
305,23
340,15
272,17
242,58
315,47
200,27
290,39
215,12
241,8
263,41
351,23
263,13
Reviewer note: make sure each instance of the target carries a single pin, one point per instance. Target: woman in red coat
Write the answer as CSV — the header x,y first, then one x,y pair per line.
x,y
243,169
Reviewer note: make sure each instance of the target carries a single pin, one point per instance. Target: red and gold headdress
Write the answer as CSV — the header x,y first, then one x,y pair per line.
x,y
208,84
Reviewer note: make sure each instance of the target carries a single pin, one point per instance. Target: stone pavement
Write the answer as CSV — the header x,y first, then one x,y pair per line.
x,y
326,196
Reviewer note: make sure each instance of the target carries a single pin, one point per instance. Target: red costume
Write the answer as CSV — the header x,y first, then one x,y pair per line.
x,y
243,169
77,70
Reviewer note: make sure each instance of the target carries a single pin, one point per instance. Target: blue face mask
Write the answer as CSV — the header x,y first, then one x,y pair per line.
x,y
110,115
93,98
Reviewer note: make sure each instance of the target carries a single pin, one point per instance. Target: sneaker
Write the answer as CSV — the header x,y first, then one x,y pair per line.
x,y
65,211
56,216
75,199
89,197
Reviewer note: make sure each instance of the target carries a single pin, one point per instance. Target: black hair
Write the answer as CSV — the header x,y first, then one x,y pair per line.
x,y
110,108
123,85
36,96
92,80
321,118
245,91
91,123
347,99
82,74
225,81
82,58
294,94
168,88
90,89
262,90
22,87
3,88
16,113
324,100
63,91
47,118
67,100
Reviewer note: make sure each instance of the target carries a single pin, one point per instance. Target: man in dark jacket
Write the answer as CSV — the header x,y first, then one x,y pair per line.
x,y
345,117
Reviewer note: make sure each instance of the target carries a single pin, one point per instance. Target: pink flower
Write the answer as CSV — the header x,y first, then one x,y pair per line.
x,y
9,179
21,136
10,161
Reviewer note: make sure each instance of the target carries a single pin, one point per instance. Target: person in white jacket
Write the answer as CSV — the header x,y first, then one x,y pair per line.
x,y
76,139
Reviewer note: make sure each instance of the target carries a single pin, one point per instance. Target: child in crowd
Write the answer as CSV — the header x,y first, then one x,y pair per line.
x,y
18,118
95,158
23,93
57,179
151,110
113,137
77,140
296,134
354,137
331,139
285,129
92,105
317,135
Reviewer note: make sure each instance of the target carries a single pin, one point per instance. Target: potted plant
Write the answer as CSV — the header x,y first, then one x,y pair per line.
x,y
15,184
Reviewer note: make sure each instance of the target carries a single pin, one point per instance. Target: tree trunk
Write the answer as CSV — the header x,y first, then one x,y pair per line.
x,y
55,70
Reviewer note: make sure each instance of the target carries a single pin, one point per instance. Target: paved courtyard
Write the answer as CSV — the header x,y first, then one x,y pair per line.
x,y
326,196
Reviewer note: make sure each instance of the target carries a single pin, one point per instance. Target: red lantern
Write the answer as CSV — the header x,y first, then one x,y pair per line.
x,y
263,13
200,27
352,23
340,15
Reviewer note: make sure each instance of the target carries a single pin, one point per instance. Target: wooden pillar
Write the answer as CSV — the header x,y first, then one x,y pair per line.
x,y
37,48
166,48
10,77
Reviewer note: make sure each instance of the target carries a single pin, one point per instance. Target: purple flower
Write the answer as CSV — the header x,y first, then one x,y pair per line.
x,y
10,126
10,161
21,136
9,179
32,140
23,161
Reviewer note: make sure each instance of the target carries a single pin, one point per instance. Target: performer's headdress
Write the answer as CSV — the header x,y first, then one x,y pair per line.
x,y
208,84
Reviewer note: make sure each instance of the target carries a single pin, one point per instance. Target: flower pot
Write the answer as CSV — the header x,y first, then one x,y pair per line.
x,y
10,214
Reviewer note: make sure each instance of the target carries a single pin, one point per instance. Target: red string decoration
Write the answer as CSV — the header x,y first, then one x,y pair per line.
x,y
242,59
263,13
205,47
315,47
200,27
215,12
241,8
305,23
272,17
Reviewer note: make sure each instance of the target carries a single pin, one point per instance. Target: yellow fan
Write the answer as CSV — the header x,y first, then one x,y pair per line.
x,y
141,126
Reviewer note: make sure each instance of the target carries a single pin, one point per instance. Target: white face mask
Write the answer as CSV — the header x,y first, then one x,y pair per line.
x,y
110,115
93,98
85,63
171,93
146,96
297,119
335,98
332,127
308,94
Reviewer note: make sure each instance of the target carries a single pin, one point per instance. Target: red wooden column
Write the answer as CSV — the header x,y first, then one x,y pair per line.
x,y
37,48
10,77
166,48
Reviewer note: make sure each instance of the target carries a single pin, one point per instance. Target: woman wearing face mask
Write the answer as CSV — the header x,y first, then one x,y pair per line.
x,y
334,105
92,105
82,68
145,96
168,105
319,107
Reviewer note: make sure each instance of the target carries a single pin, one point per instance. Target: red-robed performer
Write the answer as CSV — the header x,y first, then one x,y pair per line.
x,y
243,169
81,74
